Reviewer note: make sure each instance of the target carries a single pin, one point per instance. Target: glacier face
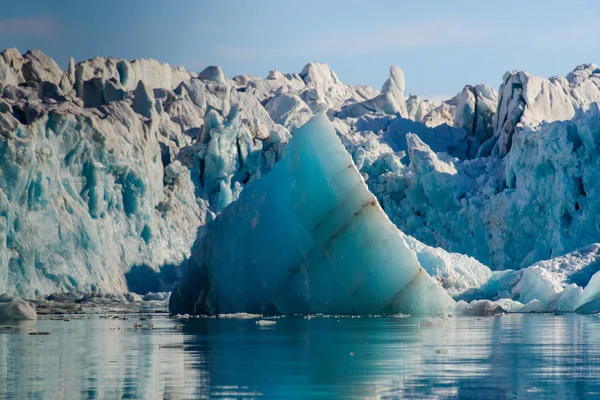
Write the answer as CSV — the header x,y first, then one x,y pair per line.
x,y
536,203
83,200
105,183
308,237
112,168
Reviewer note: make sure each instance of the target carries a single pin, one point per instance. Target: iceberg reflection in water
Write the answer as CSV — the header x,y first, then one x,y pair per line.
x,y
541,356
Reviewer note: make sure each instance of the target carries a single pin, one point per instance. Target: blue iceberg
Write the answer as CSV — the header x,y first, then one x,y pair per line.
x,y
308,237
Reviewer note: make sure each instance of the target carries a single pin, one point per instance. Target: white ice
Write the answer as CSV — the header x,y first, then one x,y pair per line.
x,y
16,309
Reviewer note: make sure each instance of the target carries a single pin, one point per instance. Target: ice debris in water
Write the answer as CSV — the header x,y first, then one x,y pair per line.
x,y
563,284
16,309
264,322
478,308
308,237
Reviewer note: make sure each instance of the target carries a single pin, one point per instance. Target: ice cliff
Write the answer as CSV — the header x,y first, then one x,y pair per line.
x,y
92,196
111,169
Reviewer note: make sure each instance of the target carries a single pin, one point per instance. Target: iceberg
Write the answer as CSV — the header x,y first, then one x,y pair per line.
x,y
308,237
16,309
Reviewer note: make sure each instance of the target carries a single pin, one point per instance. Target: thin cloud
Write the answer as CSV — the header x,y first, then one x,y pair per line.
x,y
192,64
433,33
449,32
40,25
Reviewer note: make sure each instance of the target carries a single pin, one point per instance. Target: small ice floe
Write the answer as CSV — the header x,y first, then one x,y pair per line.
x,y
17,309
159,296
240,316
265,323
479,308
171,346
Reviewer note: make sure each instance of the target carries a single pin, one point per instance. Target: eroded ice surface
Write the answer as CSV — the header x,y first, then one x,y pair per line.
x,y
307,238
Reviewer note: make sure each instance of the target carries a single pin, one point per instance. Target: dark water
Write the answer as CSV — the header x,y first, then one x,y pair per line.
x,y
513,356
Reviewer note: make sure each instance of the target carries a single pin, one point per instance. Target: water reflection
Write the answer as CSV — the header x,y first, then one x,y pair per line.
x,y
514,356
96,358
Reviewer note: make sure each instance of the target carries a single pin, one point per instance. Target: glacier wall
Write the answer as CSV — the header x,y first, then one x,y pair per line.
x,y
83,200
104,183
538,202
110,169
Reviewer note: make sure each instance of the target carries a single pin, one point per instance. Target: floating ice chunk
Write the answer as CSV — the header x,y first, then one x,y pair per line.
x,y
240,316
480,308
509,305
307,238
534,306
17,309
160,296
264,322
537,283
555,284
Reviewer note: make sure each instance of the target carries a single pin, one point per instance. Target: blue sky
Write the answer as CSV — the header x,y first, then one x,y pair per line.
x,y
440,45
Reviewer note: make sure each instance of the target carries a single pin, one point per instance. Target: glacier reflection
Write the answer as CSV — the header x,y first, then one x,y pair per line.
x,y
542,356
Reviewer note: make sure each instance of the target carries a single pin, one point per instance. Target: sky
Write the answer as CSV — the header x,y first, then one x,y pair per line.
x,y
441,45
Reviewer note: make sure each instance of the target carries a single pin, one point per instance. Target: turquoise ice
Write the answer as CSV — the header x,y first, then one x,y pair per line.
x,y
309,237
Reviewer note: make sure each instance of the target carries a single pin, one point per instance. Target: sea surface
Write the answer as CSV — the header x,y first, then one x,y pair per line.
x,y
154,356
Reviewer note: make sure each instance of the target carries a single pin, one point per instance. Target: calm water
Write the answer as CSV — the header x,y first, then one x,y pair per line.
x,y
515,356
